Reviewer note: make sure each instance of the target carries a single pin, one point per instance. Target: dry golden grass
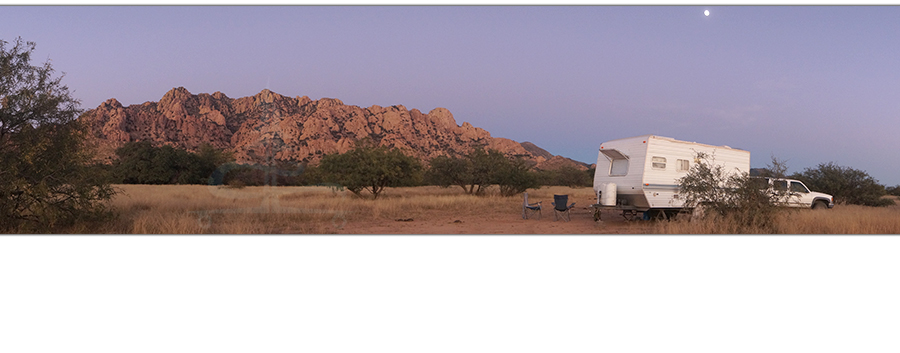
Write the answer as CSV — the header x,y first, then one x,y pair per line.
x,y
842,219
196,209
199,209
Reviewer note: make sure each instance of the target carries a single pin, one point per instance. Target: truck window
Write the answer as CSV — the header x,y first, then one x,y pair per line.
x,y
682,165
760,183
780,185
659,163
797,186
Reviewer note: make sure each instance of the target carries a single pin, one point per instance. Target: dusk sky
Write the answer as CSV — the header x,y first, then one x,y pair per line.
x,y
807,84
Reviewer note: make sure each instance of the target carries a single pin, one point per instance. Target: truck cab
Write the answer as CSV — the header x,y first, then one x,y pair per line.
x,y
796,194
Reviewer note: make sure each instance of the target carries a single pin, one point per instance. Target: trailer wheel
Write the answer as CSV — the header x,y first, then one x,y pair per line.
x,y
820,205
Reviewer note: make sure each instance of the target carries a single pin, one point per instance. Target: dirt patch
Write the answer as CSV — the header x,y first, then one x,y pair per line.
x,y
437,222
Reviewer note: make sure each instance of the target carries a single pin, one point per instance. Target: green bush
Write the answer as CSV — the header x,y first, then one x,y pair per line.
x,y
847,185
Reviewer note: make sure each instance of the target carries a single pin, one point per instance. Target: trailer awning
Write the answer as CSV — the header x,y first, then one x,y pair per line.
x,y
613,154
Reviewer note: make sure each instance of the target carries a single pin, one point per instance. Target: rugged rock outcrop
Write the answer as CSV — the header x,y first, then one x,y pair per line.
x,y
536,151
557,162
271,126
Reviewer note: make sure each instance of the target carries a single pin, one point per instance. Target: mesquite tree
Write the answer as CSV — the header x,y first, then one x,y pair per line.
x,y
372,168
44,161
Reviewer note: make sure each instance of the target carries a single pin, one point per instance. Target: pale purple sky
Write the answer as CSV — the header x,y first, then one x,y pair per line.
x,y
808,84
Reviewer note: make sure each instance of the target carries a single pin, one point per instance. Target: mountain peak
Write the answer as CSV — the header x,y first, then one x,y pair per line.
x,y
177,92
175,97
267,96
112,102
305,129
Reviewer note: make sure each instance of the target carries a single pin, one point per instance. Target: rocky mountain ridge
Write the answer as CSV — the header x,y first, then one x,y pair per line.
x,y
269,126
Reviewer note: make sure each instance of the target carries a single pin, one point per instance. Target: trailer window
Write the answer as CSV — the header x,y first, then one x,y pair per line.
x,y
618,165
682,165
659,162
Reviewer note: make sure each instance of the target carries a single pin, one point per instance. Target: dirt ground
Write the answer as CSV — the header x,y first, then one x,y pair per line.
x,y
581,222
196,209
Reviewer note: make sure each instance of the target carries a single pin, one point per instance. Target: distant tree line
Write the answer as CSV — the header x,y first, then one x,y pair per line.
x,y
566,176
143,163
365,168
370,168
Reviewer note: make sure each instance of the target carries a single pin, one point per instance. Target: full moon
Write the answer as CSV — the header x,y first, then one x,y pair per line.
x,y
706,12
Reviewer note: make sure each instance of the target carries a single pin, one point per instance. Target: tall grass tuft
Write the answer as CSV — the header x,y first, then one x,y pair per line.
x,y
843,219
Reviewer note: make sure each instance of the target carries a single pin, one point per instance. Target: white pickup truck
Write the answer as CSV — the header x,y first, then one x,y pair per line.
x,y
797,194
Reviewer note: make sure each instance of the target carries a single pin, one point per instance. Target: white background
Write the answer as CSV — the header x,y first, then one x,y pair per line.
x,y
449,294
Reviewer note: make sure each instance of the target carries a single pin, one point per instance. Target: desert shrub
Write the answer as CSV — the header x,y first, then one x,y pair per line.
x,y
367,167
847,185
47,181
732,195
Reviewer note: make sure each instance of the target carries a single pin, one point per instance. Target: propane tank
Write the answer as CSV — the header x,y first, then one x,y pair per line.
x,y
608,197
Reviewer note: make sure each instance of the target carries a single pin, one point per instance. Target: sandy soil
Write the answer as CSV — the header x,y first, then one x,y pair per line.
x,y
437,223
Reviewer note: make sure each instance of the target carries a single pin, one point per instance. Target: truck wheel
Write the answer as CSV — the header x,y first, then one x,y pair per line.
x,y
819,205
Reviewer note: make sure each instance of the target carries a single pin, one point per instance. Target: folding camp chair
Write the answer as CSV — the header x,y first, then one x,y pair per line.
x,y
560,210
530,207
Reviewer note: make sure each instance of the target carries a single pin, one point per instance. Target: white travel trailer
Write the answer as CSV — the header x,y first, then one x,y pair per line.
x,y
640,173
